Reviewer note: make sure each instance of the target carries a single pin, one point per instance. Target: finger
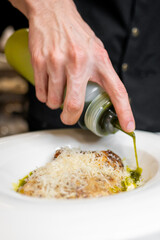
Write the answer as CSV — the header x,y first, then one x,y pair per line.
x,y
56,83
40,77
74,101
118,95
78,74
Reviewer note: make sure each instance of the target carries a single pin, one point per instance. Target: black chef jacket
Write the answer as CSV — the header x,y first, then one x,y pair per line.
x,y
130,31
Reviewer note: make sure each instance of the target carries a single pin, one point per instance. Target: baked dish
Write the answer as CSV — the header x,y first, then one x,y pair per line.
x,y
74,173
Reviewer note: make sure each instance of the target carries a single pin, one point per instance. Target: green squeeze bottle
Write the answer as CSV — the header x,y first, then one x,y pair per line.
x,y
98,114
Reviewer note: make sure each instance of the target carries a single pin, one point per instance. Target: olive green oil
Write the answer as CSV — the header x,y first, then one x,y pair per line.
x,y
21,182
134,174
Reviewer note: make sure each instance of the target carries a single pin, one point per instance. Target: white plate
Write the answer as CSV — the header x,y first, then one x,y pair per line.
x,y
131,215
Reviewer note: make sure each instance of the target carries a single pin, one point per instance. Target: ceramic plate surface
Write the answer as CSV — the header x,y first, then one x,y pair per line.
x,y
128,215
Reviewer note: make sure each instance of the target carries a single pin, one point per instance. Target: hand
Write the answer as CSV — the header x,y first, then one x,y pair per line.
x,y
65,52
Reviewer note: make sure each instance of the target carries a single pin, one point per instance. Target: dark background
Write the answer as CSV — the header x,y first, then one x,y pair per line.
x,y
11,16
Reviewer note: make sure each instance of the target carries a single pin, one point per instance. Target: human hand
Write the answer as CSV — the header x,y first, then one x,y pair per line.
x,y
65,52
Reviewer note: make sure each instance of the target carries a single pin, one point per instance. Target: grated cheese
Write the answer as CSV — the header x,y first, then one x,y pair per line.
x,y
77,174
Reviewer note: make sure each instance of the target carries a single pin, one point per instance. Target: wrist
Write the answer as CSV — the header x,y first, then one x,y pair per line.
x,y
27,7
32,8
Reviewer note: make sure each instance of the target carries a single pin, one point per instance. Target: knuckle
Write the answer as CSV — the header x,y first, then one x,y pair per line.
x,y
56,58
60,59
120,96
37,59
121,91
117,90
50,105
51,57
73,106
78,54
123,112
40,94
53,102
55,81
102,54
121,101
68,121
99,42
77,87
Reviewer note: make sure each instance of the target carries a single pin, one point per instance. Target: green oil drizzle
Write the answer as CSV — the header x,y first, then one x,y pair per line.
x,y
132,134
21,182
134,174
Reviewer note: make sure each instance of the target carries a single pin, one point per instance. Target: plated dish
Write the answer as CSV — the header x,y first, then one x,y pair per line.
x,y
74,174
91,218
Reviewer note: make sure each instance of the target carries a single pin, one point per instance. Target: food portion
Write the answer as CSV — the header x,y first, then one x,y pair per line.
x,y
74,173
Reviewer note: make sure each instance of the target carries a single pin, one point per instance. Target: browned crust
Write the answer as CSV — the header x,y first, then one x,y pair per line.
x,y
95,187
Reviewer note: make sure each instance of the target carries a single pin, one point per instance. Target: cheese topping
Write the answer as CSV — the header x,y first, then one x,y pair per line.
x,y
78,174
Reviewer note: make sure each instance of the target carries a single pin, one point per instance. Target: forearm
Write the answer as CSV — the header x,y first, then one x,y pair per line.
x,y
21,5
29,7
32,8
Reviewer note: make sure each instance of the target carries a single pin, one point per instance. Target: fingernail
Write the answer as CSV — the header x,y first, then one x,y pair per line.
x,y
130,126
